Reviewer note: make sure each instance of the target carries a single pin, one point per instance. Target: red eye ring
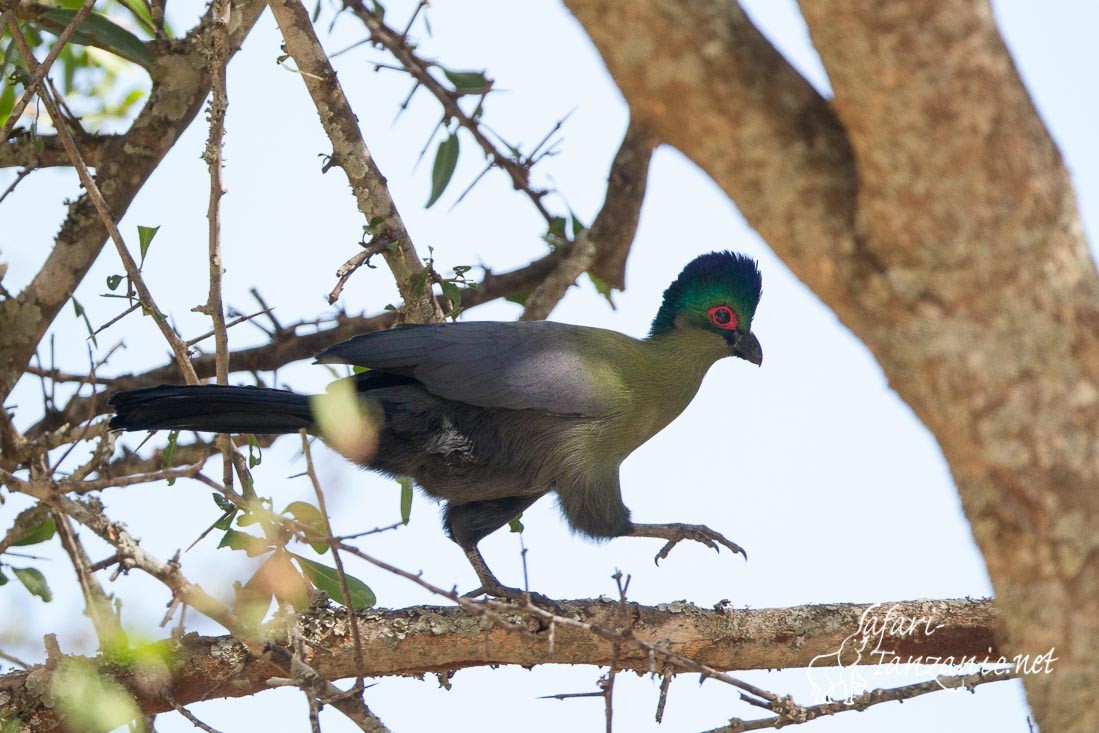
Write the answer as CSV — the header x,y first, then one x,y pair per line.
x,y
723,317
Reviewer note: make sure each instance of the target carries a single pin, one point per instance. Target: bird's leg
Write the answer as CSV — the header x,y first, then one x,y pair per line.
x,y
676,533
491,586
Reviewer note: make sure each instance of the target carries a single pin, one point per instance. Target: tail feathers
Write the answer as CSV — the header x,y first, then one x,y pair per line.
x,y
211,408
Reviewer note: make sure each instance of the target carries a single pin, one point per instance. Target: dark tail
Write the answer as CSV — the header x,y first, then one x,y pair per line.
x,y
211,408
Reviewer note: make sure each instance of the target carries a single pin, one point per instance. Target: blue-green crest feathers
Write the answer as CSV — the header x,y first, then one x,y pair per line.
x,y
717,278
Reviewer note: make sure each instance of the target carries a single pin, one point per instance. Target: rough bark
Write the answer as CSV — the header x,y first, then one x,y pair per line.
x,y
425,639
931,210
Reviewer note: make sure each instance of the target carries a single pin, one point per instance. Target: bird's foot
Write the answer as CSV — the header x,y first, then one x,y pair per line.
x,y
507,593
490,586
676,533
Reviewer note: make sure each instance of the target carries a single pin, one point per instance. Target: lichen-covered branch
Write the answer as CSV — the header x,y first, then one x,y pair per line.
x,y
427,639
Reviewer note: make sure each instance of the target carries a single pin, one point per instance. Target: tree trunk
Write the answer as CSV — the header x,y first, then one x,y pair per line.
x,y
931,210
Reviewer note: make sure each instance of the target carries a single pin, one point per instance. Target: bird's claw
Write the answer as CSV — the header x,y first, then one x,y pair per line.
x,y
676,533
507,593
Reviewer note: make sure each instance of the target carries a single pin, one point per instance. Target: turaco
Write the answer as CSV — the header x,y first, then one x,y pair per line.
x,y
491,416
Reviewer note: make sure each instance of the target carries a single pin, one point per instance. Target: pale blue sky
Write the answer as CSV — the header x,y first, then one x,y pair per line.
x,y
812,462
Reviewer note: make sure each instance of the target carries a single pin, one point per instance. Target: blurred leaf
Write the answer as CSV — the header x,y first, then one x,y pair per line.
x,y
7,98
468,81
254,546
327,579
41,533
225,521
312,518
3,578
88,324
113,281
278,577
96,30
346,423
145,238
516,525
170,452
88,700
35,582
446,160
406,498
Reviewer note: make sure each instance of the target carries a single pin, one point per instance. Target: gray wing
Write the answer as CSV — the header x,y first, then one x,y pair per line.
x,y
517,365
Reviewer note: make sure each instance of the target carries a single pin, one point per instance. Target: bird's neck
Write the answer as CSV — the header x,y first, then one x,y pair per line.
x,y
666,378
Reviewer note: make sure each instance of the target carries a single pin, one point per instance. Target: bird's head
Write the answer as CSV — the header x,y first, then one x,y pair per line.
x,y
716,292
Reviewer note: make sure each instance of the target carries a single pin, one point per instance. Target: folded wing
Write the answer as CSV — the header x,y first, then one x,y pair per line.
x,y
520,365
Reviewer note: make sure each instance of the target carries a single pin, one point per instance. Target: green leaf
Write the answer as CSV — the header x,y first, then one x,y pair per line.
x,y
170,452
251,544
519,298
327,579
113,281
603,288
452,292
255,453
96,30
373,226
516,525
225,521
88,324
578,226
223,504
406,498
41,533
312,518
35,582
446,160
468,81
145,238
3,578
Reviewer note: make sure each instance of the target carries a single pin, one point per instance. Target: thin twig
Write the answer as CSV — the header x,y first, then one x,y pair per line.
x,y
350,152
18,178
334,544
219,102
182,357
397,44
108,629
189,715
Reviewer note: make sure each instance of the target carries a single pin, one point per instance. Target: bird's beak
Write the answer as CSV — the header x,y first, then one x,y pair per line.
x,y
747,347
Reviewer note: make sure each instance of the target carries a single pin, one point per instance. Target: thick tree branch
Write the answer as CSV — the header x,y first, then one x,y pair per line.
x,y
46,151
955,253
427,639
614,228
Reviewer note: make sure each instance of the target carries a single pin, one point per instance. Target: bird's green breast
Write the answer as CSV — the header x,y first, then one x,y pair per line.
x,y
649,383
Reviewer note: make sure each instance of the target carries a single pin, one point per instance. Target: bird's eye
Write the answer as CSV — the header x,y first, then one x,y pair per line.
x,y
723,316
